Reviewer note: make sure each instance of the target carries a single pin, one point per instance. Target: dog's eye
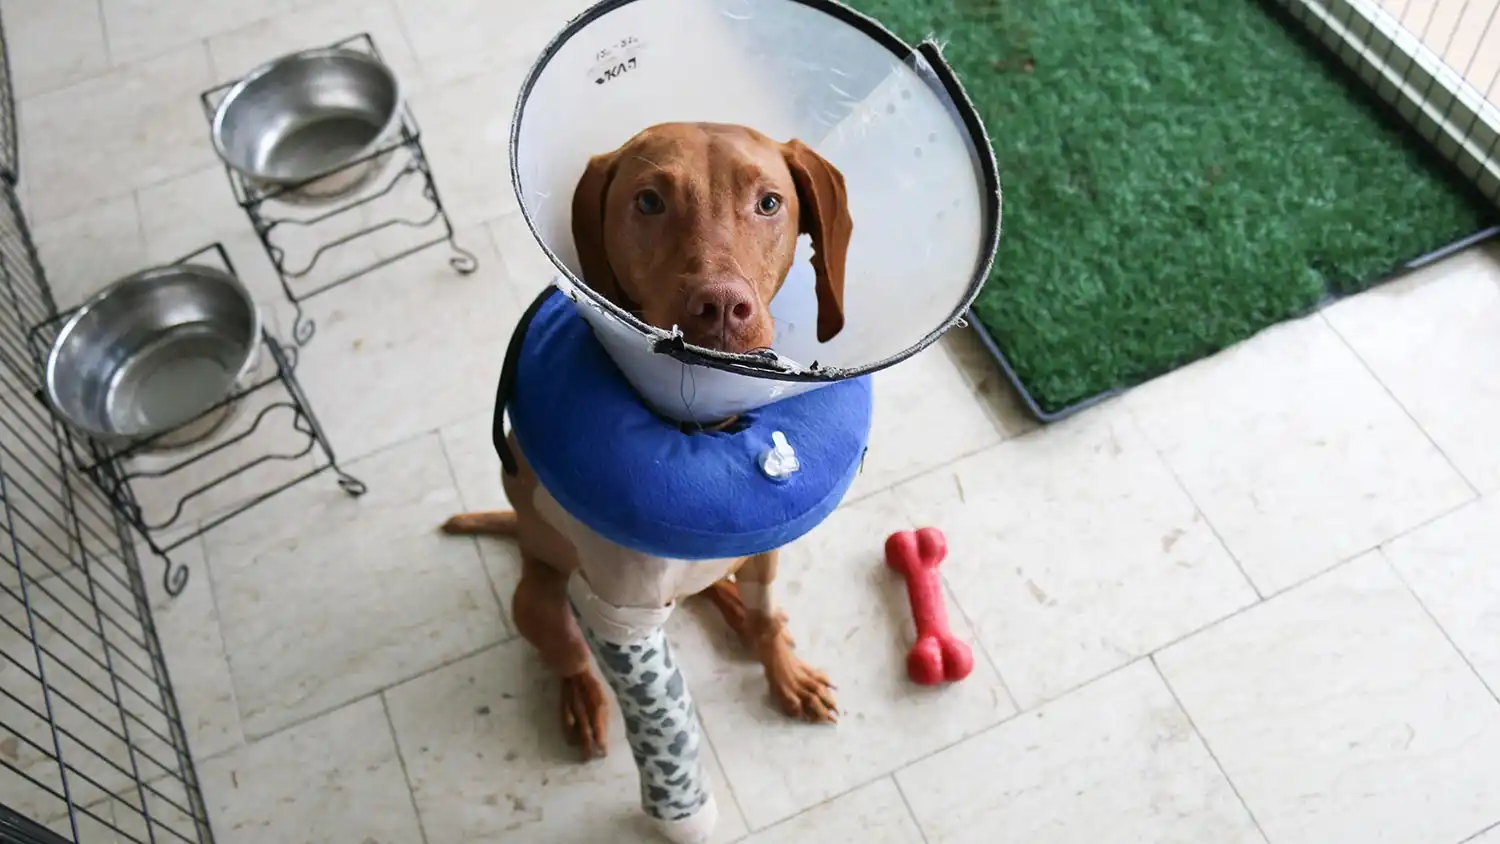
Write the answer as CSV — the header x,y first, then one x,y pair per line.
x,y
768,205
650,203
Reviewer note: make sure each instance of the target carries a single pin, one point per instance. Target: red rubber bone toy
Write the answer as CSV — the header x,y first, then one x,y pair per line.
x,y
938,656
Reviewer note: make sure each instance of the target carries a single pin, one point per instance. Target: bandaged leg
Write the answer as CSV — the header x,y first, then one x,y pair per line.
x,y
661,722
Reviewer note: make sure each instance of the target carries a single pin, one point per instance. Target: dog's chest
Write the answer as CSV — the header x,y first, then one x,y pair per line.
x,y
627,578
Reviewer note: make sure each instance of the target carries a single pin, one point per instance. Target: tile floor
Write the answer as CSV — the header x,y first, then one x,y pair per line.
x,y
1257,600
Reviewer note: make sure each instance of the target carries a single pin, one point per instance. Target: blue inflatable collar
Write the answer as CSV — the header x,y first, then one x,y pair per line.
x,y
640,480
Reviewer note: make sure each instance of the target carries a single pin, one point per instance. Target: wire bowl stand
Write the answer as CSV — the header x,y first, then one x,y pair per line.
x,y
268,208
117,473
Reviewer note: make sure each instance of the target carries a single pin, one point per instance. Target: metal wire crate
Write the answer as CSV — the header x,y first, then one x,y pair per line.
x,y
92,747
10,160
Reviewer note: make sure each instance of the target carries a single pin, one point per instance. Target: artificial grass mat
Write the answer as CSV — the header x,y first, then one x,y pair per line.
x,y
1177,175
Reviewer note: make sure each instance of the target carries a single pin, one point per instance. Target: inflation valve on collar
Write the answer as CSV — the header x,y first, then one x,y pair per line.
x,y
780,460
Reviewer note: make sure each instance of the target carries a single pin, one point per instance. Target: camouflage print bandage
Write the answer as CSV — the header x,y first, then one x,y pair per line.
x,y
661,722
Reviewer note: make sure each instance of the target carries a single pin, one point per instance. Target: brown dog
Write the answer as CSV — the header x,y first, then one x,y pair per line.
x,y
692,225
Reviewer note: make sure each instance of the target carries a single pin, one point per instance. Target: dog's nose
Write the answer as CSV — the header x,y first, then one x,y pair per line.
x,y
718,308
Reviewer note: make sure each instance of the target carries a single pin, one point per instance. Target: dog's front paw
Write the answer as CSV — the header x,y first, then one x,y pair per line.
x,y
801,690
585,714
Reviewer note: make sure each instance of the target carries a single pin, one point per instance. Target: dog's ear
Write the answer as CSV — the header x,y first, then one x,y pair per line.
x,y
588,230
825,216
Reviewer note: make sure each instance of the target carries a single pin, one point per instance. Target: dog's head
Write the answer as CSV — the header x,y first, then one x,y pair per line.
x,y
695,225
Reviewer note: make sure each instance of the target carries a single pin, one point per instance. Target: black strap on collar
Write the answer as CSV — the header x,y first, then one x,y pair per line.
x,y
506,390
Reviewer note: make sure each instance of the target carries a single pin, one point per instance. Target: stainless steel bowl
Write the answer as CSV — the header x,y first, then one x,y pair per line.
x,y
309,115
148,355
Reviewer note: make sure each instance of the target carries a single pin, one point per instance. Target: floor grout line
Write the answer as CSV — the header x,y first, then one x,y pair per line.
x,y
1197,508
109,59
509,631
118,193
865,783
140,221
1154,651
1376,546
1003,409
1203,740
215,73
411,791
213,597
734,796
39,224
1396,399
910,812
1475,837
329,710
919,474
112,64
484,569
951,595
1004,441
1015,716
411,45
513,286
1391,564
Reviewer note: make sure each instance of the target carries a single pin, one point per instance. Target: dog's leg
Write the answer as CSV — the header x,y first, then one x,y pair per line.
x,y
540,606
543,616
661,722
725,595
801,690
540,609
491,523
